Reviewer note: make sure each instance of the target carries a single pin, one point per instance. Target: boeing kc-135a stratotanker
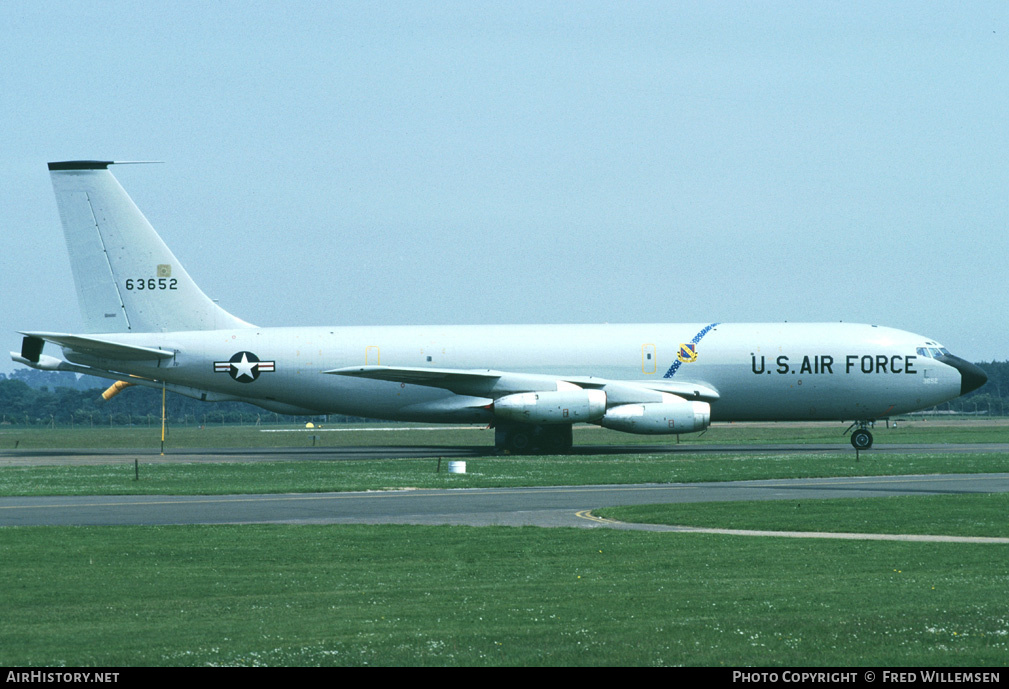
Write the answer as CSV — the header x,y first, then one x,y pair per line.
x,y
148,323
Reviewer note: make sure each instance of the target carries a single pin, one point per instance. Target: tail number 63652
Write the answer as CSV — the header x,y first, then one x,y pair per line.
x,y
151,283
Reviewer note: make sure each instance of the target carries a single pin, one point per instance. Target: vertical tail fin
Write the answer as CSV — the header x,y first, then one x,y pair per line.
x,y
127,279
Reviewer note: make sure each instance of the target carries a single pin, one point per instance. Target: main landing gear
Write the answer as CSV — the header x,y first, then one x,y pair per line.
x,y
520,438
861,438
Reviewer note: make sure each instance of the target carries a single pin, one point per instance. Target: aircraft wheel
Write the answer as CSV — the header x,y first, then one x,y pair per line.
x,y
861,439
556,440
519,441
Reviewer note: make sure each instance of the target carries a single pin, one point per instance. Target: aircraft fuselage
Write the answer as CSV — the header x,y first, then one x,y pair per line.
x,y
772,371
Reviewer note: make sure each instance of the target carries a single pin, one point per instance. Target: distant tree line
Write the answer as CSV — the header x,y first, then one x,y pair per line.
x,y
990,398
41,398
48,398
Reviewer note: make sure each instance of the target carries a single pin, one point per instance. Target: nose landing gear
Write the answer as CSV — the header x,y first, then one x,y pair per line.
x,y
861,438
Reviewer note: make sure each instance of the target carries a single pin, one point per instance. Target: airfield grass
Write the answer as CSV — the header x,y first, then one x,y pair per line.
x,y
947,515
319,472
227,478
398,595
148,436
395,595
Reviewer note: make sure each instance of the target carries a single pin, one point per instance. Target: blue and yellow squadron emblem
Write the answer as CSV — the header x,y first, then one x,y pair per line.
x,y
687,353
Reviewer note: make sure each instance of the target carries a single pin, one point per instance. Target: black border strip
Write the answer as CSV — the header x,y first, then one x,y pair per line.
x,y
81,165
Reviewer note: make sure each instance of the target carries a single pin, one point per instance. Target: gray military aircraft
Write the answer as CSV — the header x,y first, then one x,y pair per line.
x,y
148,323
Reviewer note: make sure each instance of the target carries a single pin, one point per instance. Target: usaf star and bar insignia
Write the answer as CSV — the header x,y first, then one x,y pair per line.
x,y
244,367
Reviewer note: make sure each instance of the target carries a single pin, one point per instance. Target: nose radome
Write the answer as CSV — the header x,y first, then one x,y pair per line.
x,y
971,376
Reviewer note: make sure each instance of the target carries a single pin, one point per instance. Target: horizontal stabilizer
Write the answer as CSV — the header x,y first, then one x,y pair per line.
x,y
44,362
102,349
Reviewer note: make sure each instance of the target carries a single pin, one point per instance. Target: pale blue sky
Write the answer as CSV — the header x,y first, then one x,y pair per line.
x,y
358,163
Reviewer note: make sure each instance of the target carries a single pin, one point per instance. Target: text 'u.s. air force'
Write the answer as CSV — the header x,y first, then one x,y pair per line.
x,y
825,364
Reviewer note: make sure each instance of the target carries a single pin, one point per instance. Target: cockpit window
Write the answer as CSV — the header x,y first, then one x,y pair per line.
x,y
945,351
932,352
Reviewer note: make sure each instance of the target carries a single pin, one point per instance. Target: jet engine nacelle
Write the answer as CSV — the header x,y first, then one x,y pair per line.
x,y
552,406
658,418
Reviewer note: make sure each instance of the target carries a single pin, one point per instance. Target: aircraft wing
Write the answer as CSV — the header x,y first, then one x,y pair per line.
x,y
436,377
461,382
682,388
494,384
31,347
